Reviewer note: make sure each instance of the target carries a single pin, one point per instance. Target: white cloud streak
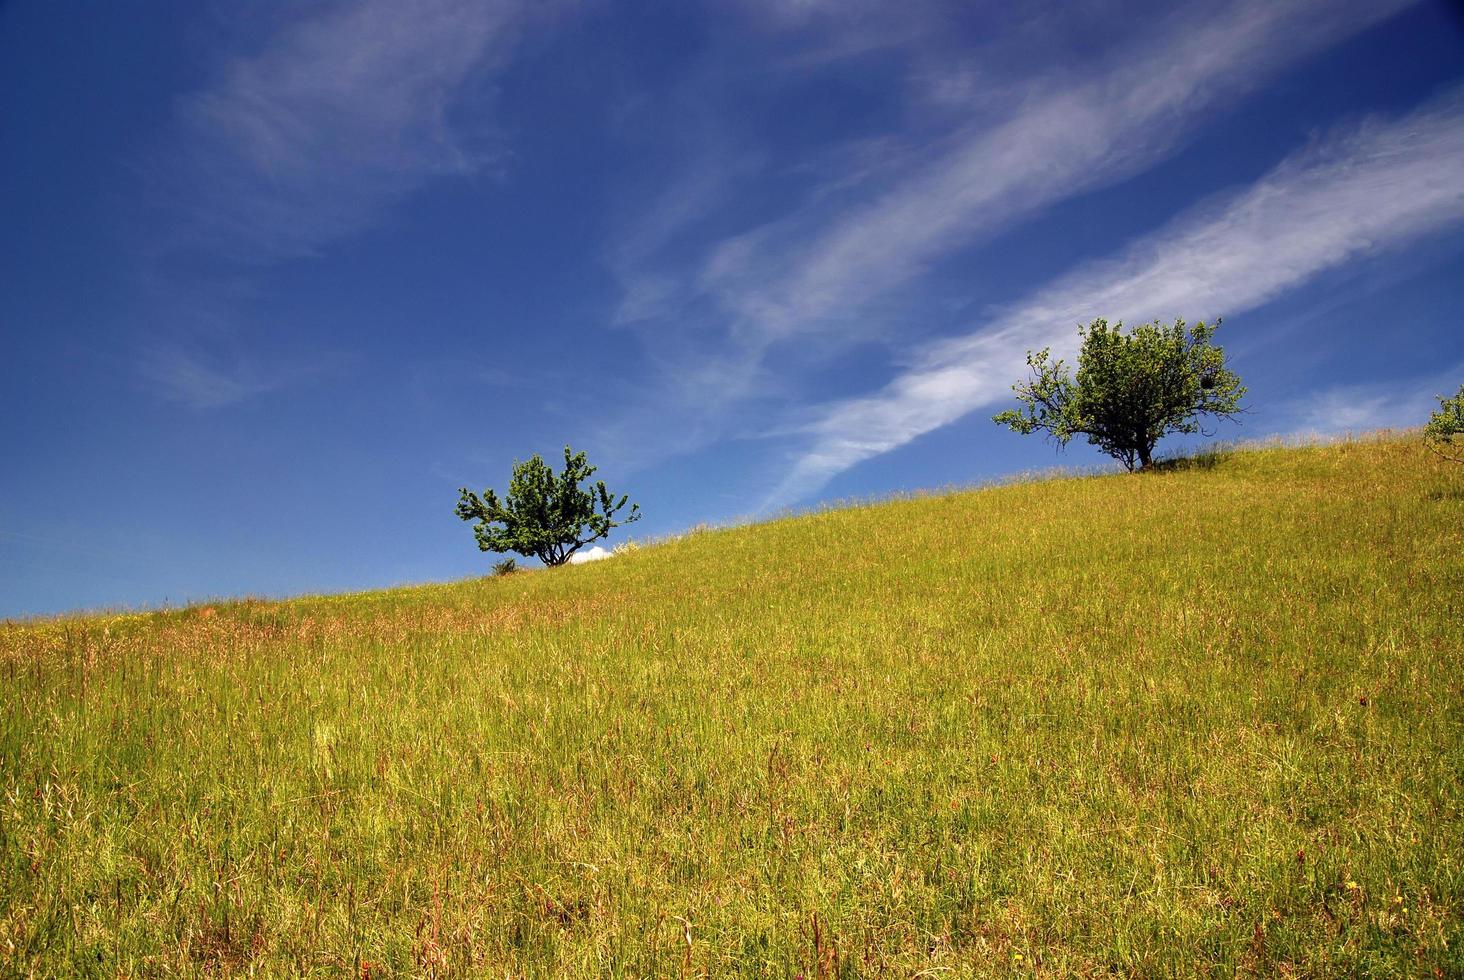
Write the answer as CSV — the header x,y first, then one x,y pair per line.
x,y
342,111
337,116
838,265
1381,186
176,376
1066,137
201,381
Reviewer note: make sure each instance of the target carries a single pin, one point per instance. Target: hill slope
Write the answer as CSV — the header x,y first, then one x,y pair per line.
x,y
1208,717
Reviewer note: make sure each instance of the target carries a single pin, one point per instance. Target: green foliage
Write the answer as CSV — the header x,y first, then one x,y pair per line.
x,y
1445,427
506,567
545,515
1131,389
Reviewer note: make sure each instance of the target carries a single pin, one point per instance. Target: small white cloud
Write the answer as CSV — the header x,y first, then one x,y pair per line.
x,y
1401,404
593,554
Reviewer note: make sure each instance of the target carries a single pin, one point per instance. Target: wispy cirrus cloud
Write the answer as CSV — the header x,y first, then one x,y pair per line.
x,y
341,111
200,380
838,266
336,116
1066,132
177,376
1385,184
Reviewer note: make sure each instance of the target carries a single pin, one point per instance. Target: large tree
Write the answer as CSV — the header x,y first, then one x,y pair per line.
x,y
1132,388
545,515
1444,433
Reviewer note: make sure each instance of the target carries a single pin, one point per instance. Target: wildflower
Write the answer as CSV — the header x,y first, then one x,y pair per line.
x,y
1352,886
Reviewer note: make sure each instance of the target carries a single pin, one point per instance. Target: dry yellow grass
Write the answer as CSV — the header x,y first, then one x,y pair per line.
x,y
1205,720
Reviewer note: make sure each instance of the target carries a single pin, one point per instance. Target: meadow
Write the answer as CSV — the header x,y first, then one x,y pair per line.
x,y
1201,721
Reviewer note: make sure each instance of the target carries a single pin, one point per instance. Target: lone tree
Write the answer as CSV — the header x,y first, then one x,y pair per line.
x,y
1131,390
545,515
1444,433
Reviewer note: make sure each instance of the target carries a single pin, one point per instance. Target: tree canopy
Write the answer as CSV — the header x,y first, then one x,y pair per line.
x,y
545,515
1132,388
1444,433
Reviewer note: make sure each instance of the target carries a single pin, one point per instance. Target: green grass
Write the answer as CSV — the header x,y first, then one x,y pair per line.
x,y
1202,721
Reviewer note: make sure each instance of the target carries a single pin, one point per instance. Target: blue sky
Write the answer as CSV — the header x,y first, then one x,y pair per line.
x,y
277,278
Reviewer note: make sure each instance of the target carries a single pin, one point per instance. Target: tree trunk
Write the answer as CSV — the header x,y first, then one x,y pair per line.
x,y
1145,457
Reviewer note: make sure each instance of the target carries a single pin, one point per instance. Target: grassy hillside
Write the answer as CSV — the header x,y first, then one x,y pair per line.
x,y
1205,720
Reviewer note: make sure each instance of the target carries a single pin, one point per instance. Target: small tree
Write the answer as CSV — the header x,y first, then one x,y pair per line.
x,y
1444,434
1131,389
545,515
